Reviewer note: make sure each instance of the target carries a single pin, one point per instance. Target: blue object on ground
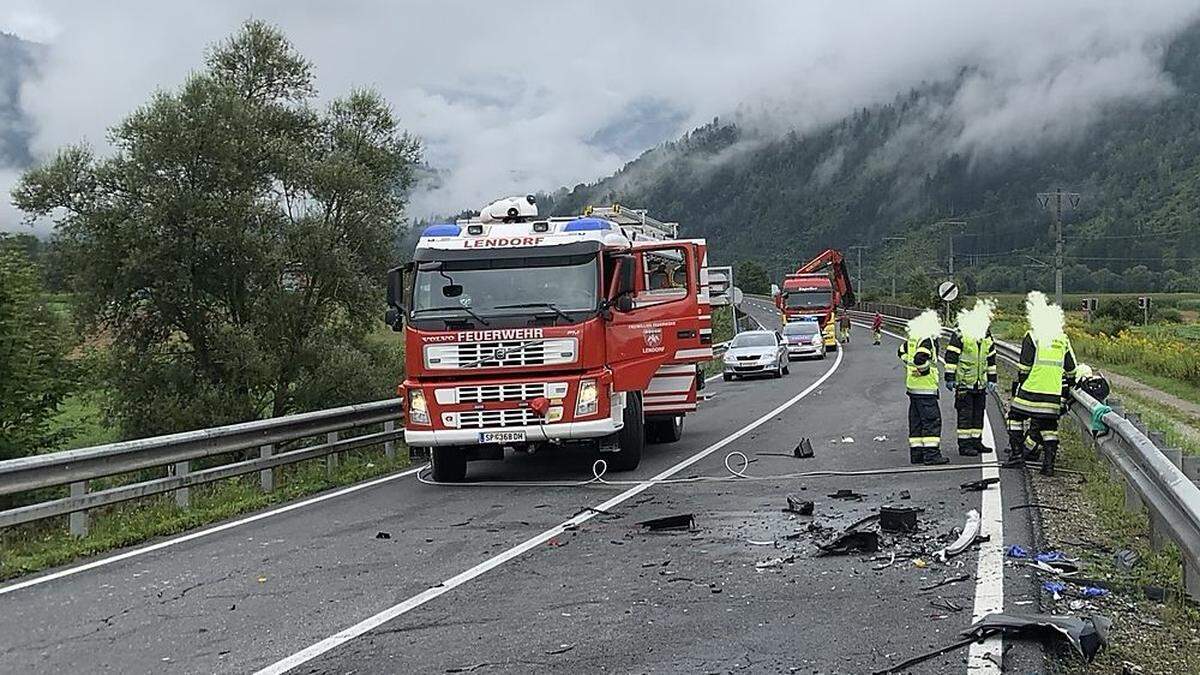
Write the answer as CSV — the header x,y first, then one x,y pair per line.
x,y
1016,551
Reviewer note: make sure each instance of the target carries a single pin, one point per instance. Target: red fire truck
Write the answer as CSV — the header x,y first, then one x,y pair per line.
x,y
815,289
527,333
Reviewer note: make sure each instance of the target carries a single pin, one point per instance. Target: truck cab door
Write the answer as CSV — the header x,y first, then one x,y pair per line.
x,y
664,323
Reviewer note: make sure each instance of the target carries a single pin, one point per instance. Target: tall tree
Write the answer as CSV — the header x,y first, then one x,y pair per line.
x,y
751,277
234,244
34,372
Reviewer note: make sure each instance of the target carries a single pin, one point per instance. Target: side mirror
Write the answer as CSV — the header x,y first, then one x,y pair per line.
x,y
626,283
394,316
452,290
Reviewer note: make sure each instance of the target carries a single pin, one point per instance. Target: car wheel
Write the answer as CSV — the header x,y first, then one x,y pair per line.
x,y
632,438
449,463
786,370
726,376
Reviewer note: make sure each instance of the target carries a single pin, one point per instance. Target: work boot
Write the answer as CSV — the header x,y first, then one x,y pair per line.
x,y
981,448
967,450
916,455
935,457
1048,461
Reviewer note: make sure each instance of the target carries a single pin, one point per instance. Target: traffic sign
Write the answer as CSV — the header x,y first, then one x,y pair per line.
x,y
738,296
948,291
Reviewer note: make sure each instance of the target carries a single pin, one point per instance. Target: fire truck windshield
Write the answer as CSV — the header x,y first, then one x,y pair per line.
x,y
808,299
557,285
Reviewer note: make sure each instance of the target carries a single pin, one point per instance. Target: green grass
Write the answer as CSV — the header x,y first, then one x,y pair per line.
x,y
1110,527
1183,390
81,421
1165,419
45,544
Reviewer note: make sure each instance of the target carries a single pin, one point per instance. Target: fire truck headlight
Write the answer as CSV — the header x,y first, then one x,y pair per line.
x,y
588,400
418,411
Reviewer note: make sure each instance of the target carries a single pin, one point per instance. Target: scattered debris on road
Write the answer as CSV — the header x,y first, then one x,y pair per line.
x,y
847,439
968,536
1127,559
894,518
948,605
979,485
383,535
880,439
561,649
800,507
1087,635
846,494
683,521
852,541
945,582
803,449
1048,507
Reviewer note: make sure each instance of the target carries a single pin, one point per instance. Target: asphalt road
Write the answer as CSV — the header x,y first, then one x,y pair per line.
x,y
743,591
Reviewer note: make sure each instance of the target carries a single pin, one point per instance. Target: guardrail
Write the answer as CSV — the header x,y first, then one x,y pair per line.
x,y
1154,477
77,468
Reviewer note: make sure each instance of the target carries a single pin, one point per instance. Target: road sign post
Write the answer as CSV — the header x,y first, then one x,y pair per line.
x,y
948,291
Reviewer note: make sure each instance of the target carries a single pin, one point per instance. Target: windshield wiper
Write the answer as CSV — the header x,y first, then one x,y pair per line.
x,y
528,305
449,308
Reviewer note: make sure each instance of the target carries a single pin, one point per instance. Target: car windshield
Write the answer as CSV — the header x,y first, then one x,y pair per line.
x,y
802,328
753,340
807,299
509,285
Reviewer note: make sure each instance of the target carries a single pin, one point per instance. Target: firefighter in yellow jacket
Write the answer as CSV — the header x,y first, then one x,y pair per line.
x,y
919,354
971,373
1044,375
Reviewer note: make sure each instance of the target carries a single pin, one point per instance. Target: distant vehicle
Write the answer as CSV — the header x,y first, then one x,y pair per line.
x,y
815,289
756,352
804,339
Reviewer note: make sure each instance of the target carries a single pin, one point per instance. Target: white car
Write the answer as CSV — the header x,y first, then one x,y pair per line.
x,y
756,352
804,339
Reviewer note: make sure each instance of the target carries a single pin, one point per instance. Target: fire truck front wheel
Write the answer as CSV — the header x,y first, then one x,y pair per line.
x,y
631,439
449,463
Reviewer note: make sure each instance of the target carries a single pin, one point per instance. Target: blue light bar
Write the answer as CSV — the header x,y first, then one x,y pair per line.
x,y
442,230
587,225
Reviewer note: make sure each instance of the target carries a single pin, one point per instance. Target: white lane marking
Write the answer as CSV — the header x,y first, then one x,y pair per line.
x,y
203,533
313,651
989,576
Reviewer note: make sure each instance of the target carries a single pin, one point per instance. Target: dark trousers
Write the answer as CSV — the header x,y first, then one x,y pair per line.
x,y
924,422
1029,434
970,404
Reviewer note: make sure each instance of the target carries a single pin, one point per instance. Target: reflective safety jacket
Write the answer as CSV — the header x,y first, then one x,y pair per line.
x,y
920,367
1045,373
971,363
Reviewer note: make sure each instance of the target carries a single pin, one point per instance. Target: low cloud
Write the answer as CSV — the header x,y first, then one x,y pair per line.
x,y
522,96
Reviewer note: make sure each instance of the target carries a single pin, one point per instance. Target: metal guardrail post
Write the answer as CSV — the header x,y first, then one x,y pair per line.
x,y
79,519
1190,466
389,446
331,460
266,477
183,496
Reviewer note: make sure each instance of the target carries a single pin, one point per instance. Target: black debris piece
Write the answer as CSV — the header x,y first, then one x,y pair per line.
x,y
683,521
904,666
467,669
1088,635
802,507
979,485
803,449
1048,507
905,495
1127,559
846,494
893,518
948,580
383,535
852,541
947,605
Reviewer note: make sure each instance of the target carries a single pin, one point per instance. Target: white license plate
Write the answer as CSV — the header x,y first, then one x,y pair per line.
x,y
502,437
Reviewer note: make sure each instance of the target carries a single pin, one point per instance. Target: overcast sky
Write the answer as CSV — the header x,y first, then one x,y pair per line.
x,y
513,97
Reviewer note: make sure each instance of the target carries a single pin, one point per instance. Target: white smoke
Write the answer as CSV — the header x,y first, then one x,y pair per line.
x,y
974,323
1046,320
927,324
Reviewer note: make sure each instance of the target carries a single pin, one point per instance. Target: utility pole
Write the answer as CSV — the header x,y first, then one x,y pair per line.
x,y
1055,199
951,223
859,269
899,239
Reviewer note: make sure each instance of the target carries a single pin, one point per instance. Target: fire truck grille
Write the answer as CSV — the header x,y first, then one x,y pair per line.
x,y
479,419
487,393
501,354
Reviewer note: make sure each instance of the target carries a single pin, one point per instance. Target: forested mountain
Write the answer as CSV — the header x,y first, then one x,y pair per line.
x,y
885,171
17,62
